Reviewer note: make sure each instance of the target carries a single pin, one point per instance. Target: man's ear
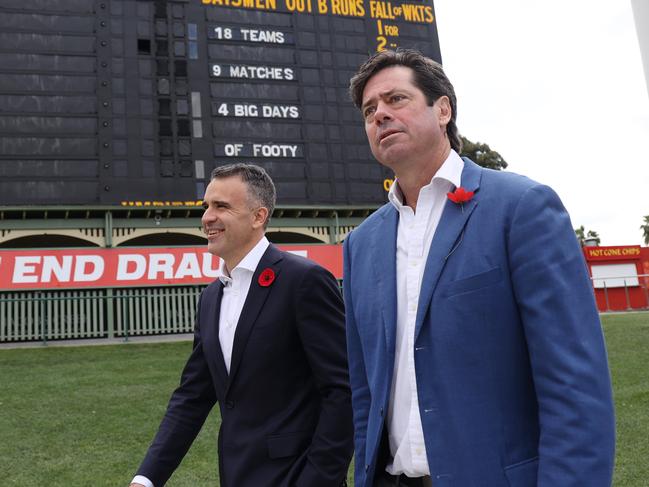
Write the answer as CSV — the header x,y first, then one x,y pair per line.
x,y
443,105
261,217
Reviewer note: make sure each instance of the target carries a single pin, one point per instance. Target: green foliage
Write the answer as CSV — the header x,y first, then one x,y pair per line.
x,y
645,230
86,415
482,154
582,235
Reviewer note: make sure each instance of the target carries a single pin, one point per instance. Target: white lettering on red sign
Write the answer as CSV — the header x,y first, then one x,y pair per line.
x,y
76,268
24,269
130,267
61,270
88,268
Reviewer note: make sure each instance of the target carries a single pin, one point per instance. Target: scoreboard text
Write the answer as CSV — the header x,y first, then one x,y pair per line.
x,y
117,102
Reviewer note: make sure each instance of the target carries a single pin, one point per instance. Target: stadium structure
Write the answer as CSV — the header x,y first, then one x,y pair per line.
x,y
113,114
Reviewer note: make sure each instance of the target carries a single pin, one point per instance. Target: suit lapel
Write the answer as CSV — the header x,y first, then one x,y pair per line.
x,y
255,300
447,238
213,313
384,250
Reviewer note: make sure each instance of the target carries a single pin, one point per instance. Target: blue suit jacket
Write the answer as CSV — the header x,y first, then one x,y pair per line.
x,y
512,375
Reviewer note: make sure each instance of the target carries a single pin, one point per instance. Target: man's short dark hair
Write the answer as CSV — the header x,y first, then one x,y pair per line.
x,y
428,76
260,186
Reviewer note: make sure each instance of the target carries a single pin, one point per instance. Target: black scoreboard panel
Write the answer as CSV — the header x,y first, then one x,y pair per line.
x,y
134,102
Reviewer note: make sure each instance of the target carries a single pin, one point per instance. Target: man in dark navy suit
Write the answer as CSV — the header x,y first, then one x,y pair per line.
x,y
269,347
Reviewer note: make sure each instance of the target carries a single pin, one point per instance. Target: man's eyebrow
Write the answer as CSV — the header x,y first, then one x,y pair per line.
x,y
216,202
365,104
380,95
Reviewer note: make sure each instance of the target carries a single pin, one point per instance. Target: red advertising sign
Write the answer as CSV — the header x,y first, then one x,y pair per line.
x,y
127,267
623,252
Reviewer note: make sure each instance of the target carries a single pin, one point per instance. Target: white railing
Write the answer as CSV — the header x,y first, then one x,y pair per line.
x,y
96,313
607,284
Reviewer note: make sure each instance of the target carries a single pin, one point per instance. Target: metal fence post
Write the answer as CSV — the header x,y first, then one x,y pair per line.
x,y
608,306
626,292
41,316
126,317
110,313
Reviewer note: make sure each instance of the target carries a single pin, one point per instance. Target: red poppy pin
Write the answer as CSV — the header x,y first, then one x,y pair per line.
x,y
460,195
266,277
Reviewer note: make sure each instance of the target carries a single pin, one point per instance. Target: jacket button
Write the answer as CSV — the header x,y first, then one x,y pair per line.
x,y
381,412
229,404
367,468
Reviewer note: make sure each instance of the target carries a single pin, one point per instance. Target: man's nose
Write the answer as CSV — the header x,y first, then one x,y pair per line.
x,y
207,216
382,113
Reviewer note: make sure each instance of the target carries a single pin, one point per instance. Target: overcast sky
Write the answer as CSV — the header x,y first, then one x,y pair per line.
x,y
557,88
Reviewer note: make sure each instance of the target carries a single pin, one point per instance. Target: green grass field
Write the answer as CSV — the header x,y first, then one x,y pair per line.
x,y
85,416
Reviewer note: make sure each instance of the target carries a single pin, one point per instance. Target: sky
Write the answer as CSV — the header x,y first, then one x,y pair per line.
x,y
557,88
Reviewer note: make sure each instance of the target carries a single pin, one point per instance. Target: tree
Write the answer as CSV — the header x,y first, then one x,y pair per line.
x,y
582,235
645,230
482,154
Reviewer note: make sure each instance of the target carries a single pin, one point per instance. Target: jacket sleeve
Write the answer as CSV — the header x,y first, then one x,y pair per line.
x,y
565,344
357,375
188,408
320,324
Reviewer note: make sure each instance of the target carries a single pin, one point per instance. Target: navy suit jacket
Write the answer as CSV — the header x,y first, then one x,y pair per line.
x,y
285,406
512,374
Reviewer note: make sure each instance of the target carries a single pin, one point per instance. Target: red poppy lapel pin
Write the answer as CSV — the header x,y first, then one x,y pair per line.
x,y
266,277
460,196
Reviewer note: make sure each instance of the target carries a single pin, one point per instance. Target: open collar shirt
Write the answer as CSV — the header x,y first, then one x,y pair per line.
x,y
414,237
236,285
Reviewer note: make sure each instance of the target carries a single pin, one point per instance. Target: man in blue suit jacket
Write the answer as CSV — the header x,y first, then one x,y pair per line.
x,y
475,350
269,347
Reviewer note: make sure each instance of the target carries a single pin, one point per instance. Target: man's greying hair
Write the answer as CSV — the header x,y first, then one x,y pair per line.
x,y
260,187
428,76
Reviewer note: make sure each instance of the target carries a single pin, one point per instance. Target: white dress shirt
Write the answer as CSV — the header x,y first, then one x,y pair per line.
x,y
235,291
414,236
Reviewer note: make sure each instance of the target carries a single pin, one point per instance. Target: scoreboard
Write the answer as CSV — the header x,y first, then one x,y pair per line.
x,y
134,102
